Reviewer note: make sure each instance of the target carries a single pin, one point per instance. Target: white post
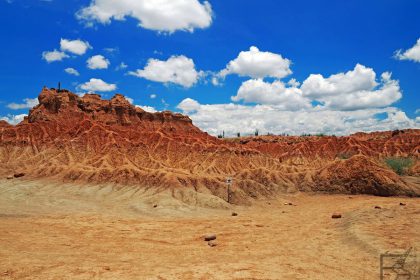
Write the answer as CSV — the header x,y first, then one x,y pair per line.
x,y
229,183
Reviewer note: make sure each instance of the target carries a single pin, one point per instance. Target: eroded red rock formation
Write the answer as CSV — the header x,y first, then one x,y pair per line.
x,y
90,139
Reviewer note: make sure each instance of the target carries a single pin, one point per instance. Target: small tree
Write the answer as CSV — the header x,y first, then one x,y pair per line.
x,y
238,134
256,132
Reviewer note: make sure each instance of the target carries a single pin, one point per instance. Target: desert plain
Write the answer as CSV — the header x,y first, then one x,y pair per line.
x,y
104,232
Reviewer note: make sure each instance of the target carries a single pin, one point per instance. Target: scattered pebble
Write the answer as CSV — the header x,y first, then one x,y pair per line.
x,y
288,203
212,243
209,237
107,268
402,204
234,214
154,205
17,175
378,207
336,216
9,177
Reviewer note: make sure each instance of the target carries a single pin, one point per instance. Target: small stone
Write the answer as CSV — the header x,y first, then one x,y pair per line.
x,y
212,243
234,214
154,205
288,203
378,207
18,175
9,177
107,268
336,216
402,204
209,237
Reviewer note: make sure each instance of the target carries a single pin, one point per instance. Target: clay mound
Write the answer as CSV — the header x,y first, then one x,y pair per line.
x,y
359,174
402,143
88,139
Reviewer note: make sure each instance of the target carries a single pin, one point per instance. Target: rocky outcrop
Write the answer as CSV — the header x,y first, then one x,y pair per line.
x,y
68,137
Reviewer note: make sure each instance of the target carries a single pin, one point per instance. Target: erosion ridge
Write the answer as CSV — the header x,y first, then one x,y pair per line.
x,y
94,140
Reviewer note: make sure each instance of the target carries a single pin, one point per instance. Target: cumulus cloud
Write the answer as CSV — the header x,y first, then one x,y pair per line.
x,y
97,62
13,119
258,64
51,56
147,108
27,104
153,96
275,93
340,104
233,118
129,99
71,71
163,15
189,105
78,47
95,85
411,54
178,70
355,89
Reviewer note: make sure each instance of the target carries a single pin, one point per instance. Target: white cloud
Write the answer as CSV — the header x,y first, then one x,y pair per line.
x,y
97,62
112,50
71,71
411,54
153,96
97,85
257,64
147,108
233,118
121,66
355,89
189,105
349,102
78,47
160,15
13,119
51,56
28,104
361,78
276,93
177,69
129,99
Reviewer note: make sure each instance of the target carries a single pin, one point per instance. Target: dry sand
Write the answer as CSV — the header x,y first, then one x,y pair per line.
x,y
64,231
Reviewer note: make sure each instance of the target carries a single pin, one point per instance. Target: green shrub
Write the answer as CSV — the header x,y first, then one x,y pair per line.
x,y
399,164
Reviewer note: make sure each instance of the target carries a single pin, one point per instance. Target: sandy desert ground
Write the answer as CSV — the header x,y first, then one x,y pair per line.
x,y
66,231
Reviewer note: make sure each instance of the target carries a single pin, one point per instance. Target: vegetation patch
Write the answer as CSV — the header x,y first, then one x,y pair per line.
x,y
399,164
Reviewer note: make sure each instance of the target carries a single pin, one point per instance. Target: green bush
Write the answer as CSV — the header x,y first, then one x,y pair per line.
x,y
399,164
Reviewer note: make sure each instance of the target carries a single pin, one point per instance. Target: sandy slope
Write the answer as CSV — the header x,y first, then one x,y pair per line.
x,y
65,231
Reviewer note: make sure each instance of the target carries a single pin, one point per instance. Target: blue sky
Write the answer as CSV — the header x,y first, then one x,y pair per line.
x,y
315,66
